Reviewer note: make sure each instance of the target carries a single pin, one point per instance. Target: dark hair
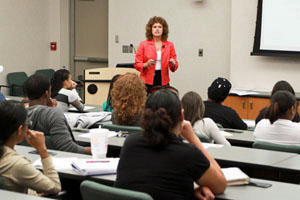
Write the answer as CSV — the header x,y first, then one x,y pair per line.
x,y
193,107
219,89
281,102
113,80
57,81
161,115
154,20
36,86
282,85
13,114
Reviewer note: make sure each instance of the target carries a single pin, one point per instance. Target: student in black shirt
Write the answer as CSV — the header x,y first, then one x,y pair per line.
x,y
226,116
159,163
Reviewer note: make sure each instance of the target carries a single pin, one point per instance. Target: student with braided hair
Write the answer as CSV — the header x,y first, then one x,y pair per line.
x,y
278,126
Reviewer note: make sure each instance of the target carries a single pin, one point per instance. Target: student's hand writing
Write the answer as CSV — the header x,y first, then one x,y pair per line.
x,y
203,193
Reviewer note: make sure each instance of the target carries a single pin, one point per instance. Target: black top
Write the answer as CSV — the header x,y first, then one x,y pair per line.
x,y
263,111
164,173
224,115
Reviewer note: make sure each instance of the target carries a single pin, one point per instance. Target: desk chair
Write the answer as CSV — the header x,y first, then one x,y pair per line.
x,y
203,138
219,125
15,82
276,147
96,191
46,72
129,129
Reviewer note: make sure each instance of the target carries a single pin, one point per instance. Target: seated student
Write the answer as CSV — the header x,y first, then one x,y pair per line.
x,y
16,171
278,126
128,98
167,167
226,116
280,85
107,104
50,120
194,111
63,90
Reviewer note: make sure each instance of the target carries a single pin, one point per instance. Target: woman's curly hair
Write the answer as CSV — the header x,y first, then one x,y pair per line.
x,y
128,98
154,20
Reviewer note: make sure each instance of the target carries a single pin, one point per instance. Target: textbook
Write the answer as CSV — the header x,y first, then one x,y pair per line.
x,y
235,176
88,167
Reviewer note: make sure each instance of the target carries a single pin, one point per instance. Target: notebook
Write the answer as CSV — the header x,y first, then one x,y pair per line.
x,y
235,176
88,167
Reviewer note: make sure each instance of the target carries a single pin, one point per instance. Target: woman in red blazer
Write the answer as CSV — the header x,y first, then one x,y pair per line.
x,y
155,56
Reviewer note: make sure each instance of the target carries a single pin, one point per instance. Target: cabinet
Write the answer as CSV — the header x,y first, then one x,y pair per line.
x,y
247,107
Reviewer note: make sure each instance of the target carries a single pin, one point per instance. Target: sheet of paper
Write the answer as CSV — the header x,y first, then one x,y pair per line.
x,y
250,123
110,134
210,145
226,134
86,108
59,163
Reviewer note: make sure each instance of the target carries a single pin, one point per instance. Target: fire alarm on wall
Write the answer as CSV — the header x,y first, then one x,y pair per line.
x,y
53,46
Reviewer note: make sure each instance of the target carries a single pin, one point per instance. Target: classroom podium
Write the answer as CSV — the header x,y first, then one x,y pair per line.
x,y
97,81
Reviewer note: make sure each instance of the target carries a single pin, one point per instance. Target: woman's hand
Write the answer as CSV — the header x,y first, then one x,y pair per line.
x,y
149,63
37,140
172,63
187,131
203,193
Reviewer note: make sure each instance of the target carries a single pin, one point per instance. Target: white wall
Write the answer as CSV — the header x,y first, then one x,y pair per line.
x,y
27,28
256,72
192,25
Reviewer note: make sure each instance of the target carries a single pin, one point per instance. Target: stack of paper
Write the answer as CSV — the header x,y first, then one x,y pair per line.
x,y
88,167
235,176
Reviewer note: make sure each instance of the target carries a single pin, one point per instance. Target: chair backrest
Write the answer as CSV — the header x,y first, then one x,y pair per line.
x,y
96,191
276,147
203,138
219,125
129,129
16,81
46,72
2,185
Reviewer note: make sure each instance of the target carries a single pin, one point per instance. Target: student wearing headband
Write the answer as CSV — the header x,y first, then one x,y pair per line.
x,y
226,116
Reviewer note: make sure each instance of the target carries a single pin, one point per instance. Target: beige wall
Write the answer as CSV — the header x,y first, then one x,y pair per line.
x,y
257,72
192,25
27,28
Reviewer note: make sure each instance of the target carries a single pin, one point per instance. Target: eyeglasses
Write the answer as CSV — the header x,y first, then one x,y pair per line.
x,y
166,87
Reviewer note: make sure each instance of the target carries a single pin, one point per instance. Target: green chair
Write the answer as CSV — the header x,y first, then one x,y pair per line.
x,y
128,129
15,82
96,191
46,72
219,125
2,186
276,147
48,142
203,138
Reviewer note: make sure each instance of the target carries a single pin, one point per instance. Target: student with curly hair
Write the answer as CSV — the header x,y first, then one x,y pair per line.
x,y
159,163
155,56
128,98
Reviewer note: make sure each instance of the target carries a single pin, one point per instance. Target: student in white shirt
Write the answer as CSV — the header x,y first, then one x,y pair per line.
x,y
194,111
63,90
278,126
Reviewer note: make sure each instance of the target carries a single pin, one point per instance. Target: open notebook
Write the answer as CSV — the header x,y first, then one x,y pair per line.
x,y
235,176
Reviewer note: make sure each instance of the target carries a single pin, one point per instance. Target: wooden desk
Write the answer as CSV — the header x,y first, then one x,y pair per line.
x,y
8,195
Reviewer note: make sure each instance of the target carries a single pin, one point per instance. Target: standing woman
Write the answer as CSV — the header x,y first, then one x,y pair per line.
x,y
155,56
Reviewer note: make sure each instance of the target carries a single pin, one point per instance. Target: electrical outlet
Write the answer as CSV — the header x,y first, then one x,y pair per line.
x,y
200,52
124,49
116,38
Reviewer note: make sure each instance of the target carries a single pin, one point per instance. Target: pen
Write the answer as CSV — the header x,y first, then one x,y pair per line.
x,y
97,161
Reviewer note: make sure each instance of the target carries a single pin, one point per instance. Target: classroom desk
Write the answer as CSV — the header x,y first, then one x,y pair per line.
x,y
242,138
277,191
8,195
96,108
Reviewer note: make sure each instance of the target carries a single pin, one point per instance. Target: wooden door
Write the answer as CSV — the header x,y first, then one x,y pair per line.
x,y
239,104
255,105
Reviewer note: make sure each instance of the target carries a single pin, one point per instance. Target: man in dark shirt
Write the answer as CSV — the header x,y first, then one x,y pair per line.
x,y
226,116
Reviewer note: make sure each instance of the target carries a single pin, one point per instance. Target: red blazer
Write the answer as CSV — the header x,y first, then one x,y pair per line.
x,y
147,51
